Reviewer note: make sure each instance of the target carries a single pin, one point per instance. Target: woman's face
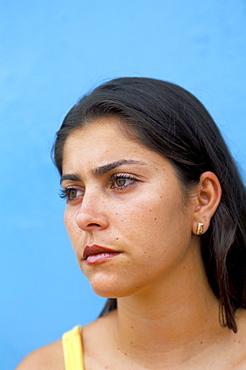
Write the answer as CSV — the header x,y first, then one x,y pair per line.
x,y
125,213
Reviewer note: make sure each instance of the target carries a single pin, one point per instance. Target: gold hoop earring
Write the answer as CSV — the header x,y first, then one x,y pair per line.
x,y
199,230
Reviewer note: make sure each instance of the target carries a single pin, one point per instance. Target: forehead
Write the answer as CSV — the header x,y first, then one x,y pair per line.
x,y
100,128
103,135
103,141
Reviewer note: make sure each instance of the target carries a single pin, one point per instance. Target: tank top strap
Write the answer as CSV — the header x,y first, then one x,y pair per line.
x,y
73,349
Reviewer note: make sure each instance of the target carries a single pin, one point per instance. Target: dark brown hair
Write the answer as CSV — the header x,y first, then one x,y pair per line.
x,y
168,119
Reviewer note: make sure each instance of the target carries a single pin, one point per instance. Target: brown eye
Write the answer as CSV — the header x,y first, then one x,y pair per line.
x,y
121,181
72,194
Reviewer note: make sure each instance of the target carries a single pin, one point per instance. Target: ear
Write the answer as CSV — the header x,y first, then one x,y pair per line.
x,y
208,195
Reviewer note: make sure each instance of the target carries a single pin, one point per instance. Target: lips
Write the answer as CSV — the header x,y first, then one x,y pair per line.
x,y
94,254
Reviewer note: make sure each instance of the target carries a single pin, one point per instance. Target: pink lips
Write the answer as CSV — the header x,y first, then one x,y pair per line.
x,y
94,254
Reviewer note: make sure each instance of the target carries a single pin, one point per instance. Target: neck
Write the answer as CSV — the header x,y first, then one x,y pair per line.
x,y
177,318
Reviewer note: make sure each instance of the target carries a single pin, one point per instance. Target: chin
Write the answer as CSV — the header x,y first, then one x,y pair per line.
x,y
102,290
109,289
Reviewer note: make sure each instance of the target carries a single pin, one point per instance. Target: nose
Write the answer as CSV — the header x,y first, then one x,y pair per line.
x,y
91,214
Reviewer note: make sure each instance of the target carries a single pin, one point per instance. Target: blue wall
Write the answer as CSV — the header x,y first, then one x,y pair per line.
x,y
51,53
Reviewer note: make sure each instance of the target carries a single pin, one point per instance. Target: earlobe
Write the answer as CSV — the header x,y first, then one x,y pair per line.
x,y
208,197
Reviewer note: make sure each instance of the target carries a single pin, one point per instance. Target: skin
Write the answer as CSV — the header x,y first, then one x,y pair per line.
x,y
167,316
106,214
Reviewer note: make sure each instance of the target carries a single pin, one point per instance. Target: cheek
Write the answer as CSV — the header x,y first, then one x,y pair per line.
x,y
153,210
154,219
67,221
71,227
140,218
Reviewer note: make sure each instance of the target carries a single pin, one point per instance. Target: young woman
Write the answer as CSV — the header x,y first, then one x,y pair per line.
x,y
156,214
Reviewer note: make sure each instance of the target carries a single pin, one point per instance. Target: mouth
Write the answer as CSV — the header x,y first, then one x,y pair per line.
x,y
95,254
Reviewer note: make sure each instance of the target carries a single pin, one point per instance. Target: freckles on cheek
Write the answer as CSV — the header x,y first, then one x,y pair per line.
x,y
66,217
144,212
67,222
71,227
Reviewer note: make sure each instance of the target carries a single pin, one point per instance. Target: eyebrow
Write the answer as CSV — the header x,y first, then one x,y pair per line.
x,y
102,170
72,177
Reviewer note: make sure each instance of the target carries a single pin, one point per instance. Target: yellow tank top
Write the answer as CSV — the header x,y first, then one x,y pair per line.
x,y
73,349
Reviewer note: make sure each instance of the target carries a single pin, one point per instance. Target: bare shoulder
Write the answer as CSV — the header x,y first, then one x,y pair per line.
x,y
102,325
45,358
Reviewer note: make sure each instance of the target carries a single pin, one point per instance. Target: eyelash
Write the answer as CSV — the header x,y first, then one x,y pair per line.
x,y
66,193
124,176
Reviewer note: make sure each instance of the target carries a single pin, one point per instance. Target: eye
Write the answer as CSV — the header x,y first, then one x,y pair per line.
x,y
122,181
71,194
